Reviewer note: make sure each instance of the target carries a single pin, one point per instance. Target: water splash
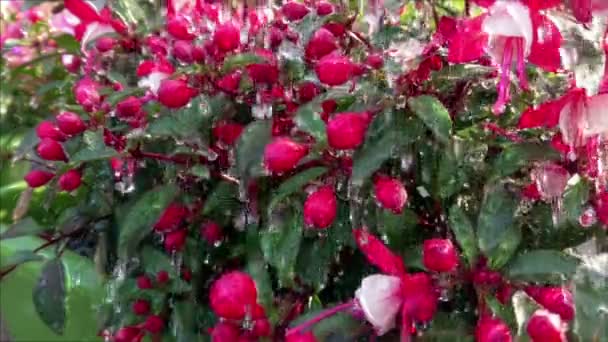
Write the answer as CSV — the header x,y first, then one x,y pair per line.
x,y
551,180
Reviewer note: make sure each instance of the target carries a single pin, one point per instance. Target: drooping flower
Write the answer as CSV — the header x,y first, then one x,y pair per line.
x,y
491,330
86,92
544,326
555,299
379,296
92,23
152,73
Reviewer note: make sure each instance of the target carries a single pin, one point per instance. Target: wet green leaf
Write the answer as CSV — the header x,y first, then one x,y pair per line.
x,y
543,266
434,115
49,296
465,234
26,226
94,148
295,184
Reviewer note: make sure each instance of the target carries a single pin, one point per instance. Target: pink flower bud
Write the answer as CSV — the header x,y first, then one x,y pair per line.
x,y
180,28
227,37
230,82
320,208
233,295
261,327
70,123
555,299
294,10
38,178
223,332
157,45
374,60
335,69
601,207
128,334
211,232
301,337
105,44
307,91
175,93
154,324
47,129
162,277
71,63
420,297
227,132
171,218
439,255
324,8
198,54
182,51
390,193
87,94
144,283
128,107
377,253
70,180
175,240
283,154
141,307
320,44
338,29
491,330
544,326
265,72
49,149
346,131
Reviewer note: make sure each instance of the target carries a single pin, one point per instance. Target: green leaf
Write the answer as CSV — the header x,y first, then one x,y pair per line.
x,y
295,184
49,296
308,120
184,322
154,261
19,257
314,260
94,149
450,175
234,62
69,43
187,123
495,221
500,256
434,115
516,156
224,197
371,156
141,216
116,97
591,299
542,266
575,198
250,148
26,226
280,244
464,232
256,267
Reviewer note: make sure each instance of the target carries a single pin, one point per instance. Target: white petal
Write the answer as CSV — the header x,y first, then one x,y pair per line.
x,y
597,115
379,297
572,121
94,30
152,81
510,19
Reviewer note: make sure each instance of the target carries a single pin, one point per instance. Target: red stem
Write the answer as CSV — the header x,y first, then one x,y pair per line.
x,y
321,316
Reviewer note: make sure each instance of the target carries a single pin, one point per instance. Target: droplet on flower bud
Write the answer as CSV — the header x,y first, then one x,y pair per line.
x,y
320,44
294,10
105,44
492,330
38,178
171,218
141,307
70,180
390,193
230,82
70,123
128,334
47,129
87,94
154,324
144,283
233,295
440,255
335,69
227,37
266,71
180,27
175,240
544,326
128,107
588,218
175,93
551,180
211,232
555,299
283,154
223,332
346,131
320,208
71,63
49,149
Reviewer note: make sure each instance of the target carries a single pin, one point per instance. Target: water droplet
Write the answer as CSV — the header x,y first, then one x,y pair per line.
x,y
588,218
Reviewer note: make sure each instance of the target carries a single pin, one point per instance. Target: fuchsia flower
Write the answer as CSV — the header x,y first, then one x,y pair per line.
x,y
544,326
555,299
492,330
92,23
86,92
152,73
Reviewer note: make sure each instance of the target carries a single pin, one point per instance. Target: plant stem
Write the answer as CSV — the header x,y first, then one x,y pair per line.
x,y
321,316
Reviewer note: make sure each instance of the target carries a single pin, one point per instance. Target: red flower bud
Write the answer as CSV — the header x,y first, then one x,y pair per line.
x,y
307,91
227,132
180,28
105,44
144,283
223,332
324,8
154,324
182,51
211,232
329,106
261,327
320,208
420,297
227,37
49,149
283,154
171,218
531,192
87,94
38,178
128,107
335,69
439,255
338,29
491,330
198,54
265,72
555,299
70,180
301,337
390,194
375,61
162,277
175,240
233,295
128,334
544,326
346,131
601,207
70,123
47,129
71,63
141,307
230,82
175,93
320,44
294,10
157,45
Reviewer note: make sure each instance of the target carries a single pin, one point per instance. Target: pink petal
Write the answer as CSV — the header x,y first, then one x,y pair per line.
x,y
537,5
378,254
572,117
546,44
545,115
597,115
82,9
93,31
468,41
65,21
484,3
380,298
510,19
582,10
